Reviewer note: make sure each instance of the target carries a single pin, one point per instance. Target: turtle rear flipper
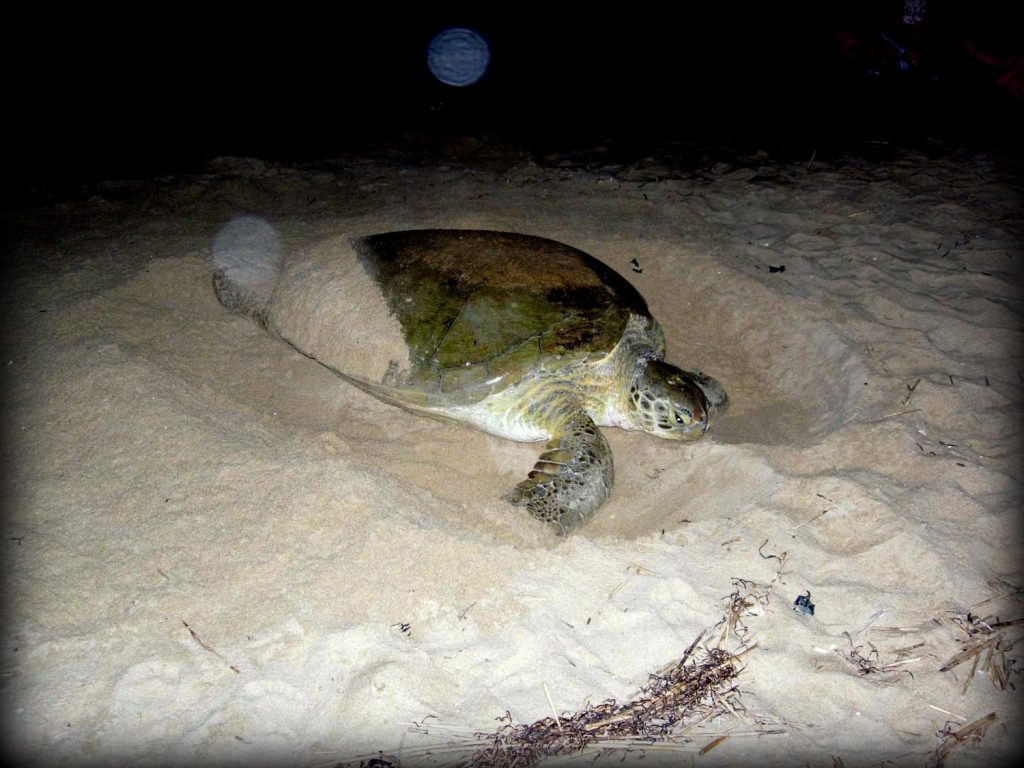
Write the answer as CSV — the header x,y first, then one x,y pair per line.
x,y
571,479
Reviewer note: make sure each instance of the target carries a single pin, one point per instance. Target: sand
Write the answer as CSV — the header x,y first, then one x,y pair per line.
x,y
217,551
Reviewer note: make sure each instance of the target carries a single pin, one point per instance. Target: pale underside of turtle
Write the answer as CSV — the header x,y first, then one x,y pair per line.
x,y
519,336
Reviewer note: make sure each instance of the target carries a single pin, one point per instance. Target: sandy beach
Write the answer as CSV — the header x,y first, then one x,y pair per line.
x,y
219,552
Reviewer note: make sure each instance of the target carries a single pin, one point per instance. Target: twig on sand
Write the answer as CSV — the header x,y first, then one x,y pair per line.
x,y
551,704
206,647
711,745
892,415
635,569
868,624
808,520
910,392
1004,589
947,712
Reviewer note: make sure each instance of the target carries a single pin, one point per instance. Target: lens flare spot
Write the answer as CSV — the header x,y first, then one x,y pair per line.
x,y
458,56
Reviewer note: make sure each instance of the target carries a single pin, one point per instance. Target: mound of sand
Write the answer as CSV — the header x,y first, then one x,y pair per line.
x,y
219,551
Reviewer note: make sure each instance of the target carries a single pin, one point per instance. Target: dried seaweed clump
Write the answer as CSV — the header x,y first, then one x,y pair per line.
x,y
665,714
687,689
872,664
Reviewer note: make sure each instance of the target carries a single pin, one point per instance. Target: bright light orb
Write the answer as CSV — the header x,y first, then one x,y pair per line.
x,y
250,247
458,56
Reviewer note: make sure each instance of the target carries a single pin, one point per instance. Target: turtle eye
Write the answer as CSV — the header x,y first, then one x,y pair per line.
x,y
683,417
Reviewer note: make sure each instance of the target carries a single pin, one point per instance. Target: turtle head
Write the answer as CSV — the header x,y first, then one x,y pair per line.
x,y
667,402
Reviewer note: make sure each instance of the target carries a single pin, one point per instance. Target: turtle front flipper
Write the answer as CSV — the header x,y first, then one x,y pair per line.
x,y
713,390
571,479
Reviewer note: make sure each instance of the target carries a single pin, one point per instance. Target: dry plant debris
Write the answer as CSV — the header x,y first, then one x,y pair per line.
x,y
987,643
208,648
695,689
969,734
747,598
702,686
691,688
871,663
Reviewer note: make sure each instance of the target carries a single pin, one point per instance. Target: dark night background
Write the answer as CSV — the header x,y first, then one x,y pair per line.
x,y
89,96
157,89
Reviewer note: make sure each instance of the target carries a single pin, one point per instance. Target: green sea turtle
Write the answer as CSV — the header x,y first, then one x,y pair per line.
x,y
519,336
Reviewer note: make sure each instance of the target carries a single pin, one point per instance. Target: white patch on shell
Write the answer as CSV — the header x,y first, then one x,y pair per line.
x,y
329,307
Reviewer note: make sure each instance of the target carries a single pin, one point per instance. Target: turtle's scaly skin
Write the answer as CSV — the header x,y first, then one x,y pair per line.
x,y
519,336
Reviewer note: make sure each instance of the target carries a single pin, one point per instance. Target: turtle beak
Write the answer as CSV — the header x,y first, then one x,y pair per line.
x,y
704,424
701,410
